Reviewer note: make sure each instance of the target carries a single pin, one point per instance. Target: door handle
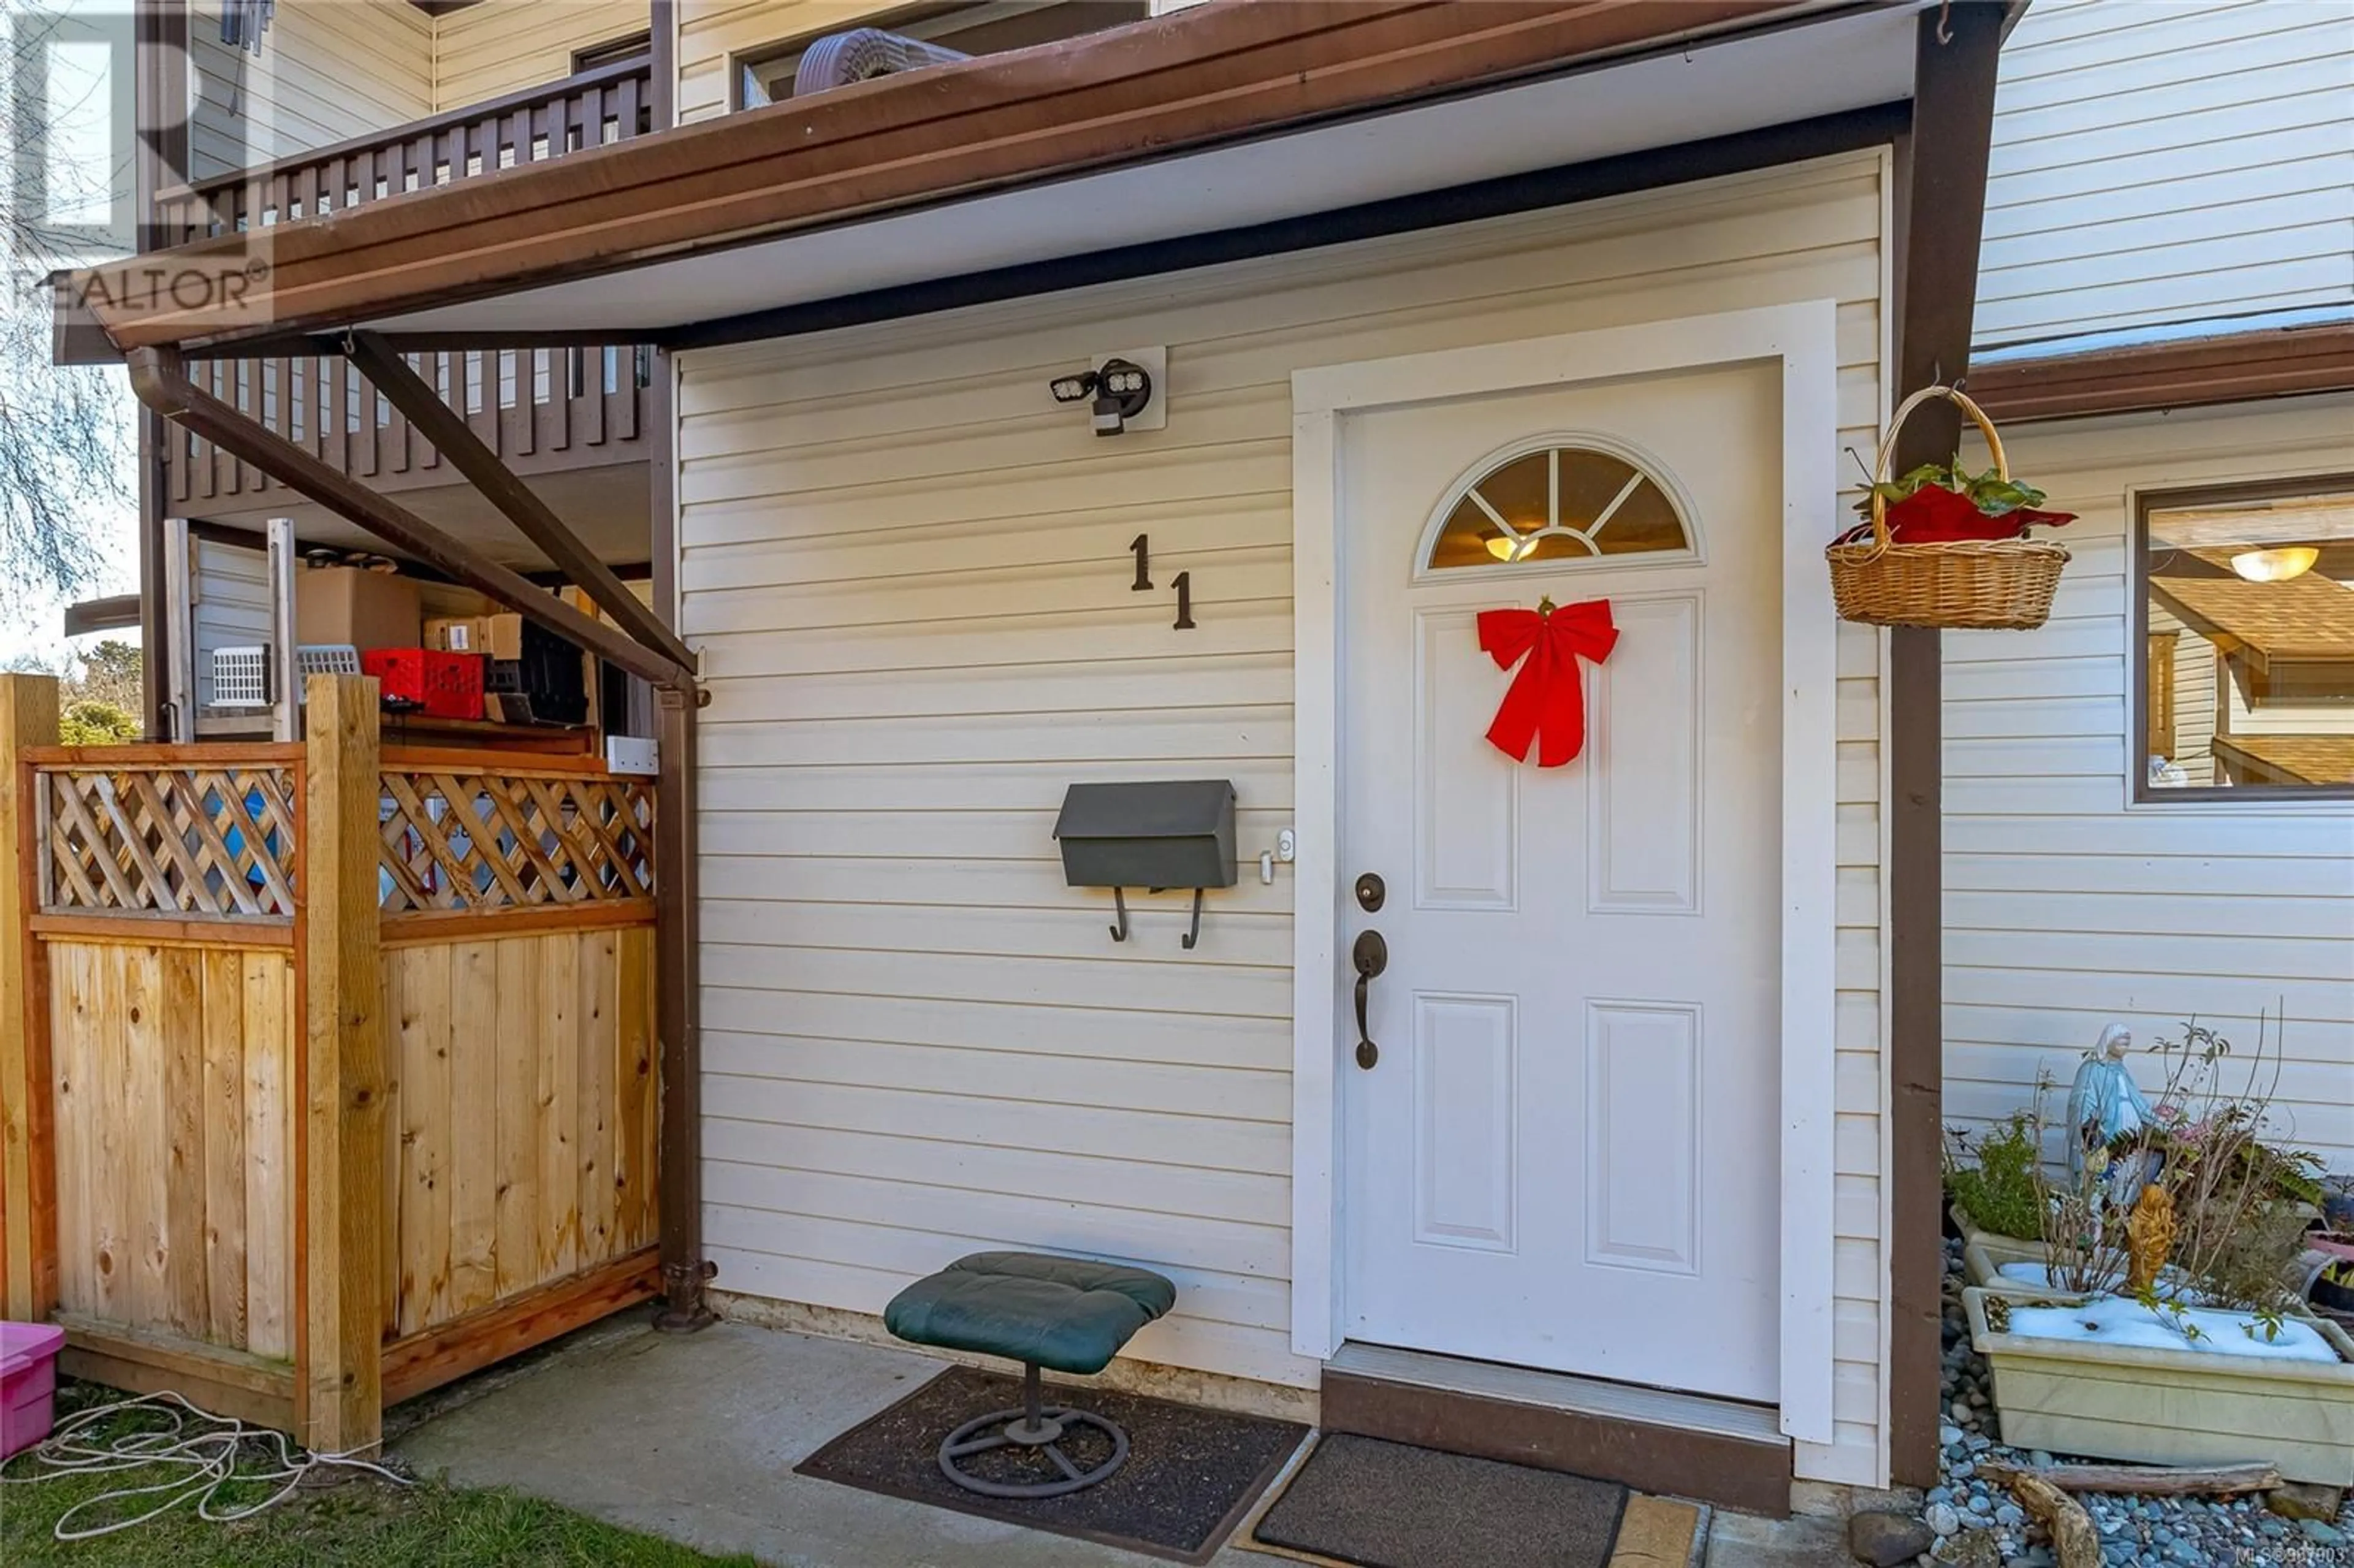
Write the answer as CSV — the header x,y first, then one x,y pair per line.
x,y
1371,956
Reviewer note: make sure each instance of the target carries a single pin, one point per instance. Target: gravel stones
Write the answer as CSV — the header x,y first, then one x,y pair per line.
x,y
1886,1540
1973,1523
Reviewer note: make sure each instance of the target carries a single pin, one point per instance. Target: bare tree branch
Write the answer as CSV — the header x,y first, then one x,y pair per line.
x,y
68,448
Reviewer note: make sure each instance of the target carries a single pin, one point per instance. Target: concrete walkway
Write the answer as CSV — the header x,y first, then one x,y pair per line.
x,y
695,1438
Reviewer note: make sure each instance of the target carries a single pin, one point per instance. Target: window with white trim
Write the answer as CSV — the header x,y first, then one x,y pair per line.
x,y
2245,611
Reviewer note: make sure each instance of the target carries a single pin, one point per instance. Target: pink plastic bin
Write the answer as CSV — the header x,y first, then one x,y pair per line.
x,y
28,1383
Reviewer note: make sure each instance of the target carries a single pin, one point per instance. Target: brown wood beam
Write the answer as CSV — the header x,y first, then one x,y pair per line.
x,y
160,381
84,342
159,159
1941,208
454,438
2232,367
28,1173
425,1362
1192,79
144,1360
678,1000
338,1392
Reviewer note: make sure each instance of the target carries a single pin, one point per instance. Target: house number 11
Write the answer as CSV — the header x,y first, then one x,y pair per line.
x,y
1141,547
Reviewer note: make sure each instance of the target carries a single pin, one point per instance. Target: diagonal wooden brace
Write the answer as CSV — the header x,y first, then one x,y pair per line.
x,y
471,456
159,378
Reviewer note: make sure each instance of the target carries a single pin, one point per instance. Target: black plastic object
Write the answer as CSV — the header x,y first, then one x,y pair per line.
x,y
550,678
1161,835
1177,833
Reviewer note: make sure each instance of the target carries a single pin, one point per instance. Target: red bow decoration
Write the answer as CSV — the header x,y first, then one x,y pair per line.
x,y
1546,702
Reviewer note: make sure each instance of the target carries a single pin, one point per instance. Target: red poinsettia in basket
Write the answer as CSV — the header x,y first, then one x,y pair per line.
x,y
1940,502
1942,546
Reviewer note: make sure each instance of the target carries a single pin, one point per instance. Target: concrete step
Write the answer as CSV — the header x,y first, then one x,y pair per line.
x,y
1680,1445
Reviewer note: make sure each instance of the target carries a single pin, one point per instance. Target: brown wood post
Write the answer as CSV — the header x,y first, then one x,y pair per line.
x,y
1941,205
29,1188
678,1005
339,1388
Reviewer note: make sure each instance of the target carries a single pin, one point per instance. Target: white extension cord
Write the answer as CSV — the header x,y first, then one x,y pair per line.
x,y
200,1449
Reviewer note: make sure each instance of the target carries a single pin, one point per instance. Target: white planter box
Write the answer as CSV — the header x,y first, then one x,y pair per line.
x,y
2170,1407
1984,1255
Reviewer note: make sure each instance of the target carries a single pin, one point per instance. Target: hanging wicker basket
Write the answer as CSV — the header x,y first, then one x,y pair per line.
x,y
1982,584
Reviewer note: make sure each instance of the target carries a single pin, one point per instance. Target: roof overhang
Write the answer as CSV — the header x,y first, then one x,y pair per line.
x,y
2224,367
1227,116
116,612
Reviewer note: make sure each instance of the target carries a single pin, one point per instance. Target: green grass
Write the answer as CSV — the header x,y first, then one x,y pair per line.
x,y
363,1524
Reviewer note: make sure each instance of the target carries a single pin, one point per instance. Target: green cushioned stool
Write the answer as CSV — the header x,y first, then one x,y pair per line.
x,y
1067,1313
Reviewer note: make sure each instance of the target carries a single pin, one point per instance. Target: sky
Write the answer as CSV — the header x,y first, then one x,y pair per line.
x,y
37,632
81,144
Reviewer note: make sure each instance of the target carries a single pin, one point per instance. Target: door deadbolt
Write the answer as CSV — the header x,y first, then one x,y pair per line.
x,y
1371,892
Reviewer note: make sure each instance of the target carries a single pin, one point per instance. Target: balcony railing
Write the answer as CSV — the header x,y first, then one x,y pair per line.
x,y
541,409
612,104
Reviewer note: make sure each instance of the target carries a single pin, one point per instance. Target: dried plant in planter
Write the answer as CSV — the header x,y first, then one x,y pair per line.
x,y
2237,1203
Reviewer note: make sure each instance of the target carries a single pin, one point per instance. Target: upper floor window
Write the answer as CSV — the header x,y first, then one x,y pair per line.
x,y
766,76
2246,623
612,51
1557,503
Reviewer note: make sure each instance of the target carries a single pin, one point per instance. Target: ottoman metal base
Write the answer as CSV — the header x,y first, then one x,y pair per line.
x,y
1032,1425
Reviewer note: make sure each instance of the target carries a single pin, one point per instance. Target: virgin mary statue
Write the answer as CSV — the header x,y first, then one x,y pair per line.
x,y
2104,1104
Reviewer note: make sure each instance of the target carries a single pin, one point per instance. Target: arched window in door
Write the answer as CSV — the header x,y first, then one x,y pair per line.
x,y
1554,502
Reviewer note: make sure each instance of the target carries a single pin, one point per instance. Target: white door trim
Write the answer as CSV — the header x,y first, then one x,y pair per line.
x,y
1802,339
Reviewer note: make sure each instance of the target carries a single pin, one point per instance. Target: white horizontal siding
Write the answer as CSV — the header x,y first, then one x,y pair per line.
x,y
332,71
494,47
231,609
908,573
711,33
328,71
2065,907
2159,162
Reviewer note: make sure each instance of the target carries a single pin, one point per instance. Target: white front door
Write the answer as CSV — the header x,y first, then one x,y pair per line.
x,y
1566,1151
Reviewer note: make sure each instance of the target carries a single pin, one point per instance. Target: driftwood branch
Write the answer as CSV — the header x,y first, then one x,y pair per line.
x,y
2073,1539
2204,1481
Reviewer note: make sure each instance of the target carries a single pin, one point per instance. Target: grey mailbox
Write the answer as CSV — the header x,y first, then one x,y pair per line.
x,y
1178,833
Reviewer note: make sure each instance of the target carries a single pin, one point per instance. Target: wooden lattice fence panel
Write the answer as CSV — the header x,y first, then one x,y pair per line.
x,y
167,841
480,842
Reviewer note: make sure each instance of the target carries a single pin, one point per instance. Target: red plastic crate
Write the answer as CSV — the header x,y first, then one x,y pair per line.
x,y
444,686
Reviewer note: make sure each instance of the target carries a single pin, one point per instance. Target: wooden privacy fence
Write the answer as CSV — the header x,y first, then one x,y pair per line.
x,y
329,1071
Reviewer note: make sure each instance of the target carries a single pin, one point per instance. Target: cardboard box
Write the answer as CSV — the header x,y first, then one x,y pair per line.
x,y
366,610
494,636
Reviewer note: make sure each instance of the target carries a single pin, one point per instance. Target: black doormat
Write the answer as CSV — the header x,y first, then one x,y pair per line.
x,y
1190,1475
1387,1505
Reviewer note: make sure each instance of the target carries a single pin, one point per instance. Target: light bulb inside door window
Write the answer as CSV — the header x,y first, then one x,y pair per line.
x,y
2275,566
1505,547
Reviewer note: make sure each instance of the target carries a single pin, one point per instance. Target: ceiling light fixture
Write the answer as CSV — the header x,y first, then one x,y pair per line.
x,y
2277,564
1508,548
